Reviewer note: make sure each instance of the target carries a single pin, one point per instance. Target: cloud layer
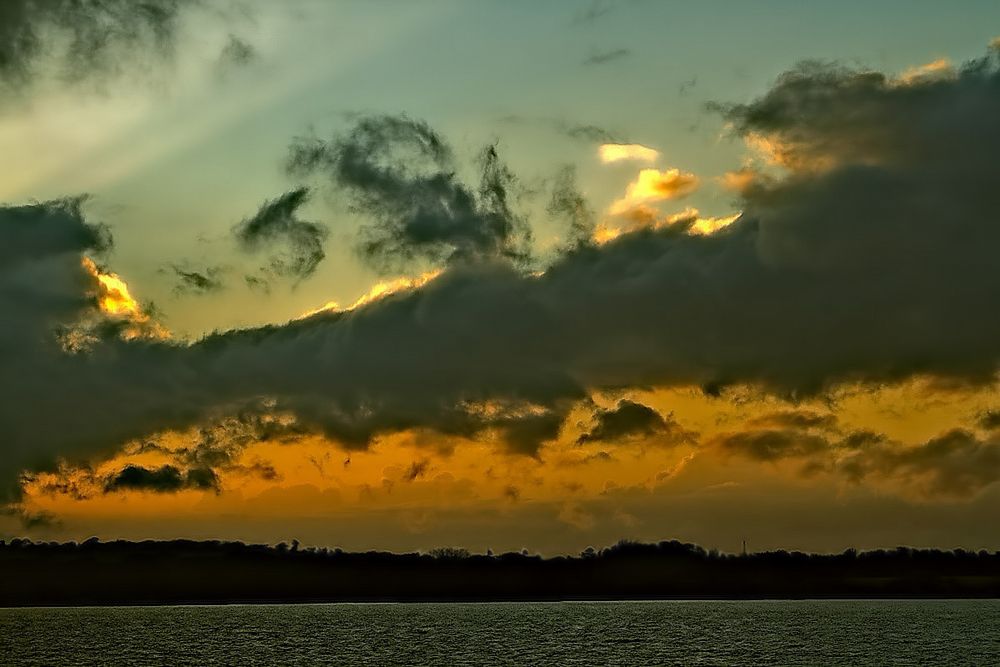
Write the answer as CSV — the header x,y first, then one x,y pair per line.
x,y
871,258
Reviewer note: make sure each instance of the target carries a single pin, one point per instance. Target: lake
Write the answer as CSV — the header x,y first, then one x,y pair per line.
x,y
810,632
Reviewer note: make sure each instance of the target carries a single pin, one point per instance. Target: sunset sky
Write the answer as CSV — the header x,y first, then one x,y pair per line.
x,y
505,275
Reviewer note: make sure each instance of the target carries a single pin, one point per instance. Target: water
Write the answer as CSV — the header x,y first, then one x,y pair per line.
x,y
887,632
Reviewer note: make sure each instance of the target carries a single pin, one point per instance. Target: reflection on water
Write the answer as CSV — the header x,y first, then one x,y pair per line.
x,y
614,633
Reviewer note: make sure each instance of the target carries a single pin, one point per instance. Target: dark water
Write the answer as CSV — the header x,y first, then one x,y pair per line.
x,y
603,633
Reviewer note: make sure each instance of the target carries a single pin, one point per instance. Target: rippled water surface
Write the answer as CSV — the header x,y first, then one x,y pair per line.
x,y
601,633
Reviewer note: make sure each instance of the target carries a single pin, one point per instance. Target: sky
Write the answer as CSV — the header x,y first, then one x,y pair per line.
x,y
500,275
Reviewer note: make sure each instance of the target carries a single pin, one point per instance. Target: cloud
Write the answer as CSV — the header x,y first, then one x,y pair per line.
x,y
877,267
83,39
165,479
35,231
604,57
190,281
401,175
236,53
611,152
277,223
798,419
596,10
686,86
592,133
580,131
416,470
525,433
642,216
652,185
955,464
772,444
989,420
937,69
631,420
568,203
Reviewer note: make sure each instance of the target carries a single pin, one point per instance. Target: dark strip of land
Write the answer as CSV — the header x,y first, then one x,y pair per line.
x,y
184,571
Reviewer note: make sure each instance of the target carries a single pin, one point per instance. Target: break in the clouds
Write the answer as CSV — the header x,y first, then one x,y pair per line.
x,y
870,258
401,174
295,245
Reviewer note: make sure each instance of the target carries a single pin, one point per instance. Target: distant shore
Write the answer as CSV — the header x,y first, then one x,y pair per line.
x,y
211,573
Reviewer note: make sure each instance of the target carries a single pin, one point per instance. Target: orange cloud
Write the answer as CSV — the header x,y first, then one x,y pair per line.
x,y
379,290
115,301
934,70
617,152
113,297
655,185
739,180
646,217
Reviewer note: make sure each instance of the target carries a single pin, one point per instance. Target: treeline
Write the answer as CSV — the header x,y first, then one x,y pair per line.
x,y
183,571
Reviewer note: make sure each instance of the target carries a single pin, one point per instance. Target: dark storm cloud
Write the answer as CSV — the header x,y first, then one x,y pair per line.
x,y
629,420
604,57
165,479
29,519
276,224
872,264
416,470
220,445
989,420
525,434
401,174
35,231
86,37
800,419
190,281
954,464
772,445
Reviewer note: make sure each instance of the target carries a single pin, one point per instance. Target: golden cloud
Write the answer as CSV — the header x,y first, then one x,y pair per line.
x,y
618,152
379,290
655,185
941,68
647,217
